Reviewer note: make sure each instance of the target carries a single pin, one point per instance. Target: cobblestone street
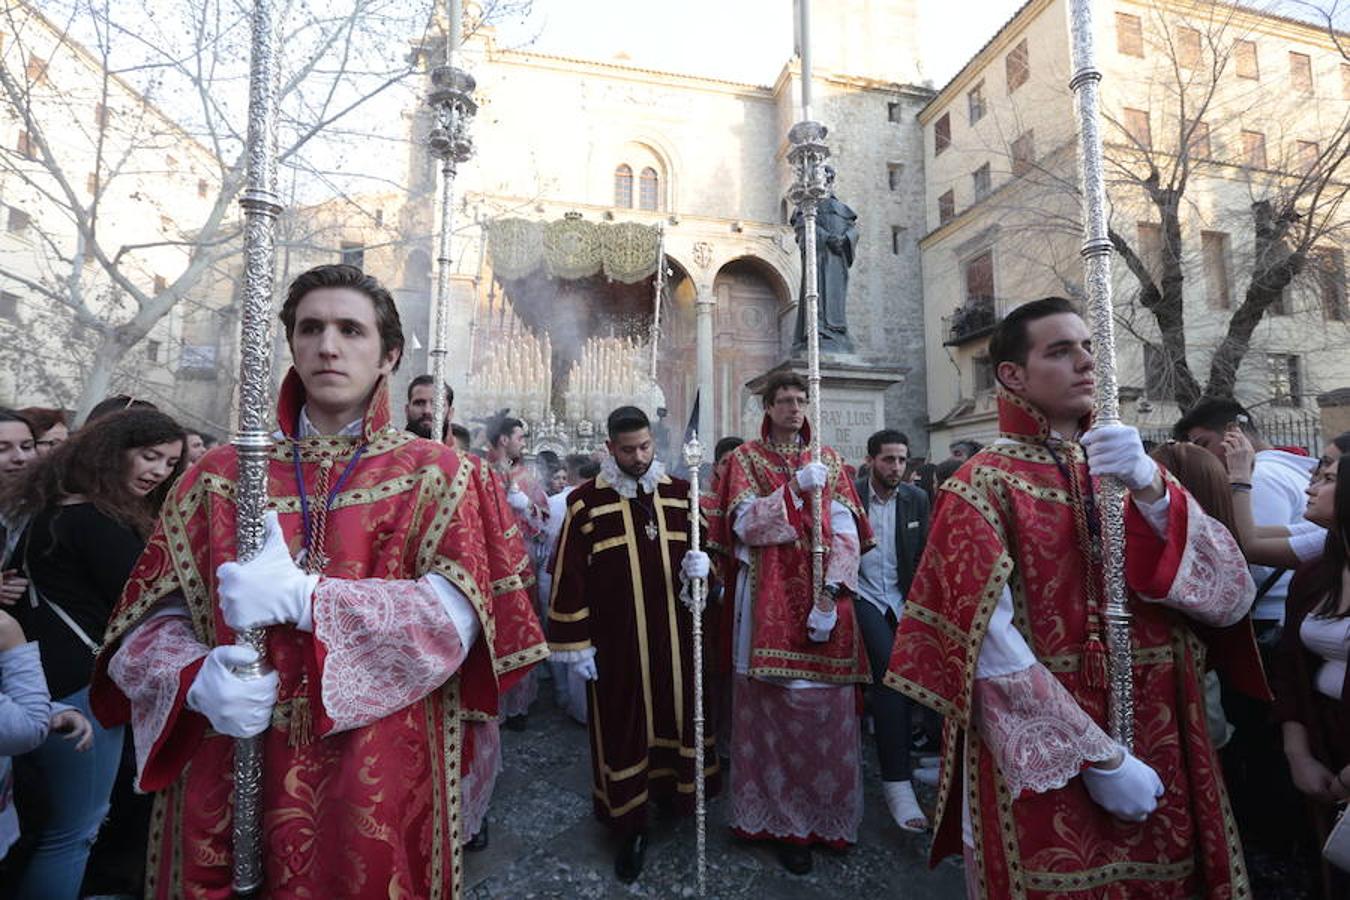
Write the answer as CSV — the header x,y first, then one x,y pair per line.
x,y
546,843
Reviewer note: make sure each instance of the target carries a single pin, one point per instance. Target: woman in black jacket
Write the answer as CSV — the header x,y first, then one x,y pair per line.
x,y
90,505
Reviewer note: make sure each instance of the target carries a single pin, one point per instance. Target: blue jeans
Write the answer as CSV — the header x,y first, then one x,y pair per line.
x,y
78,788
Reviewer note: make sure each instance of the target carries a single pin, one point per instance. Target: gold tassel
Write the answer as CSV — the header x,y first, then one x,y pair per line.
x,y
1094,662
302,720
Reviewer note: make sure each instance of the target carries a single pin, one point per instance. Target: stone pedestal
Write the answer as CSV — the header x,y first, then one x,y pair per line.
x,y
853,403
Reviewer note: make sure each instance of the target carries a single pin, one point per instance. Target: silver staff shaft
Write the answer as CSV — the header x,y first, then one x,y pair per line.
x,y
807,155
698,593
1097,280
656,296
252,440
452,104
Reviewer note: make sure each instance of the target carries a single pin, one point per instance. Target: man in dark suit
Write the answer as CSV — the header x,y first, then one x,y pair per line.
x,y
899,516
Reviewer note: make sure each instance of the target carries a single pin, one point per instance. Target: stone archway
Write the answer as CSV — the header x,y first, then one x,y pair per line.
x,y
752,299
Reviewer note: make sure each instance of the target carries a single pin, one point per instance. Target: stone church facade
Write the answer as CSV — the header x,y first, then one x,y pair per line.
x,y
705,159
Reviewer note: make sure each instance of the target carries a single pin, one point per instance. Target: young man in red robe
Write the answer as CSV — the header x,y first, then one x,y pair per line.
x,y
395,614
616,615
529,503
1004,635
795,768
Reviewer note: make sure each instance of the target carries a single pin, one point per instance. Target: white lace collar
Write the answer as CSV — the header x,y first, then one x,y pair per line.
x,y
626,485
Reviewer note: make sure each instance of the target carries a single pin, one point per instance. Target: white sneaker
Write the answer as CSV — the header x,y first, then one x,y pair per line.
x,y
904,806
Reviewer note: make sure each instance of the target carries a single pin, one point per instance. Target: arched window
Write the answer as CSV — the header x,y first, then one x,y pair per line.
x,y
623,187
649,189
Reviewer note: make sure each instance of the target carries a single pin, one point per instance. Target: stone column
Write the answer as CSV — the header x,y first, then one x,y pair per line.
x,y
704,306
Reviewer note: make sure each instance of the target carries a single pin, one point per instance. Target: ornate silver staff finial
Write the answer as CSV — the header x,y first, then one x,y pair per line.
x,y
253,440
452,104
1097,281
807,157
698,592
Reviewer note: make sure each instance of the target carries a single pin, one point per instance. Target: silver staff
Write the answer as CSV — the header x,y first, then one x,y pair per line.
x,y
807,157
1097,277
698,592
656,296
451,100
253,440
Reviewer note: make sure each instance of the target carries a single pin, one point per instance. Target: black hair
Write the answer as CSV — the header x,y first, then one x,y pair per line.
x,y
461,433
725,446
114,404
626,420
421,380
589,470
339,275
885,436
13,415
972,446
779,381
1010,342
502,427
1329,572
1215,414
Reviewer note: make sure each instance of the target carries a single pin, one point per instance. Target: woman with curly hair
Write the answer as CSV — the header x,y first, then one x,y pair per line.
x,y
91,504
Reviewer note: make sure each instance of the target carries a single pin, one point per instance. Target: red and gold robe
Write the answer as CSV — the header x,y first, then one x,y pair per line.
x,y
616,596
780,573
368,744
1013,746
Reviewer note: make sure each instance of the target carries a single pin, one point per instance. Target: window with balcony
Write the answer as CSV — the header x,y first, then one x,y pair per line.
x,y
976,316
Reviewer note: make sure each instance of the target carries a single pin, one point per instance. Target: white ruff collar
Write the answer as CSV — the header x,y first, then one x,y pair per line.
x,y
626,485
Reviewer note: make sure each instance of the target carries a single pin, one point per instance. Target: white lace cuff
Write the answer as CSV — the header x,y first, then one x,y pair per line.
x,y
1039,736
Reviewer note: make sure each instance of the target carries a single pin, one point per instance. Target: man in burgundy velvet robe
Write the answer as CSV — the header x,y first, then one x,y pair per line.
x,y
617,616
395,611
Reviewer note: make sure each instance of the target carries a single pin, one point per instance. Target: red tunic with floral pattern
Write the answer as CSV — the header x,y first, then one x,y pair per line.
x,y
363,762
1012,746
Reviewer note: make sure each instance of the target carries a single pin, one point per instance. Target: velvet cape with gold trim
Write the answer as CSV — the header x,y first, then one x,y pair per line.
x,y
374,810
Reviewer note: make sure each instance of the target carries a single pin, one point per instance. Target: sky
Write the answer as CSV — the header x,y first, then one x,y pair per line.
x,y
709,37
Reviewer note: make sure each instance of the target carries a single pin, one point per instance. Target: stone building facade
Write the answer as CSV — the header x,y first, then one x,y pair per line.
x,y
706,159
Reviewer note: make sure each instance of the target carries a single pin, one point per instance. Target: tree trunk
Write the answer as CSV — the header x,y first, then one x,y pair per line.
x,y
98,381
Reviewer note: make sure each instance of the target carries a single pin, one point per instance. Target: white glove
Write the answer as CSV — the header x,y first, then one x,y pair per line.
x,y
516,499
1130,791
269,589
239,707
820,624
1117,450
695,564
586,669
812,476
